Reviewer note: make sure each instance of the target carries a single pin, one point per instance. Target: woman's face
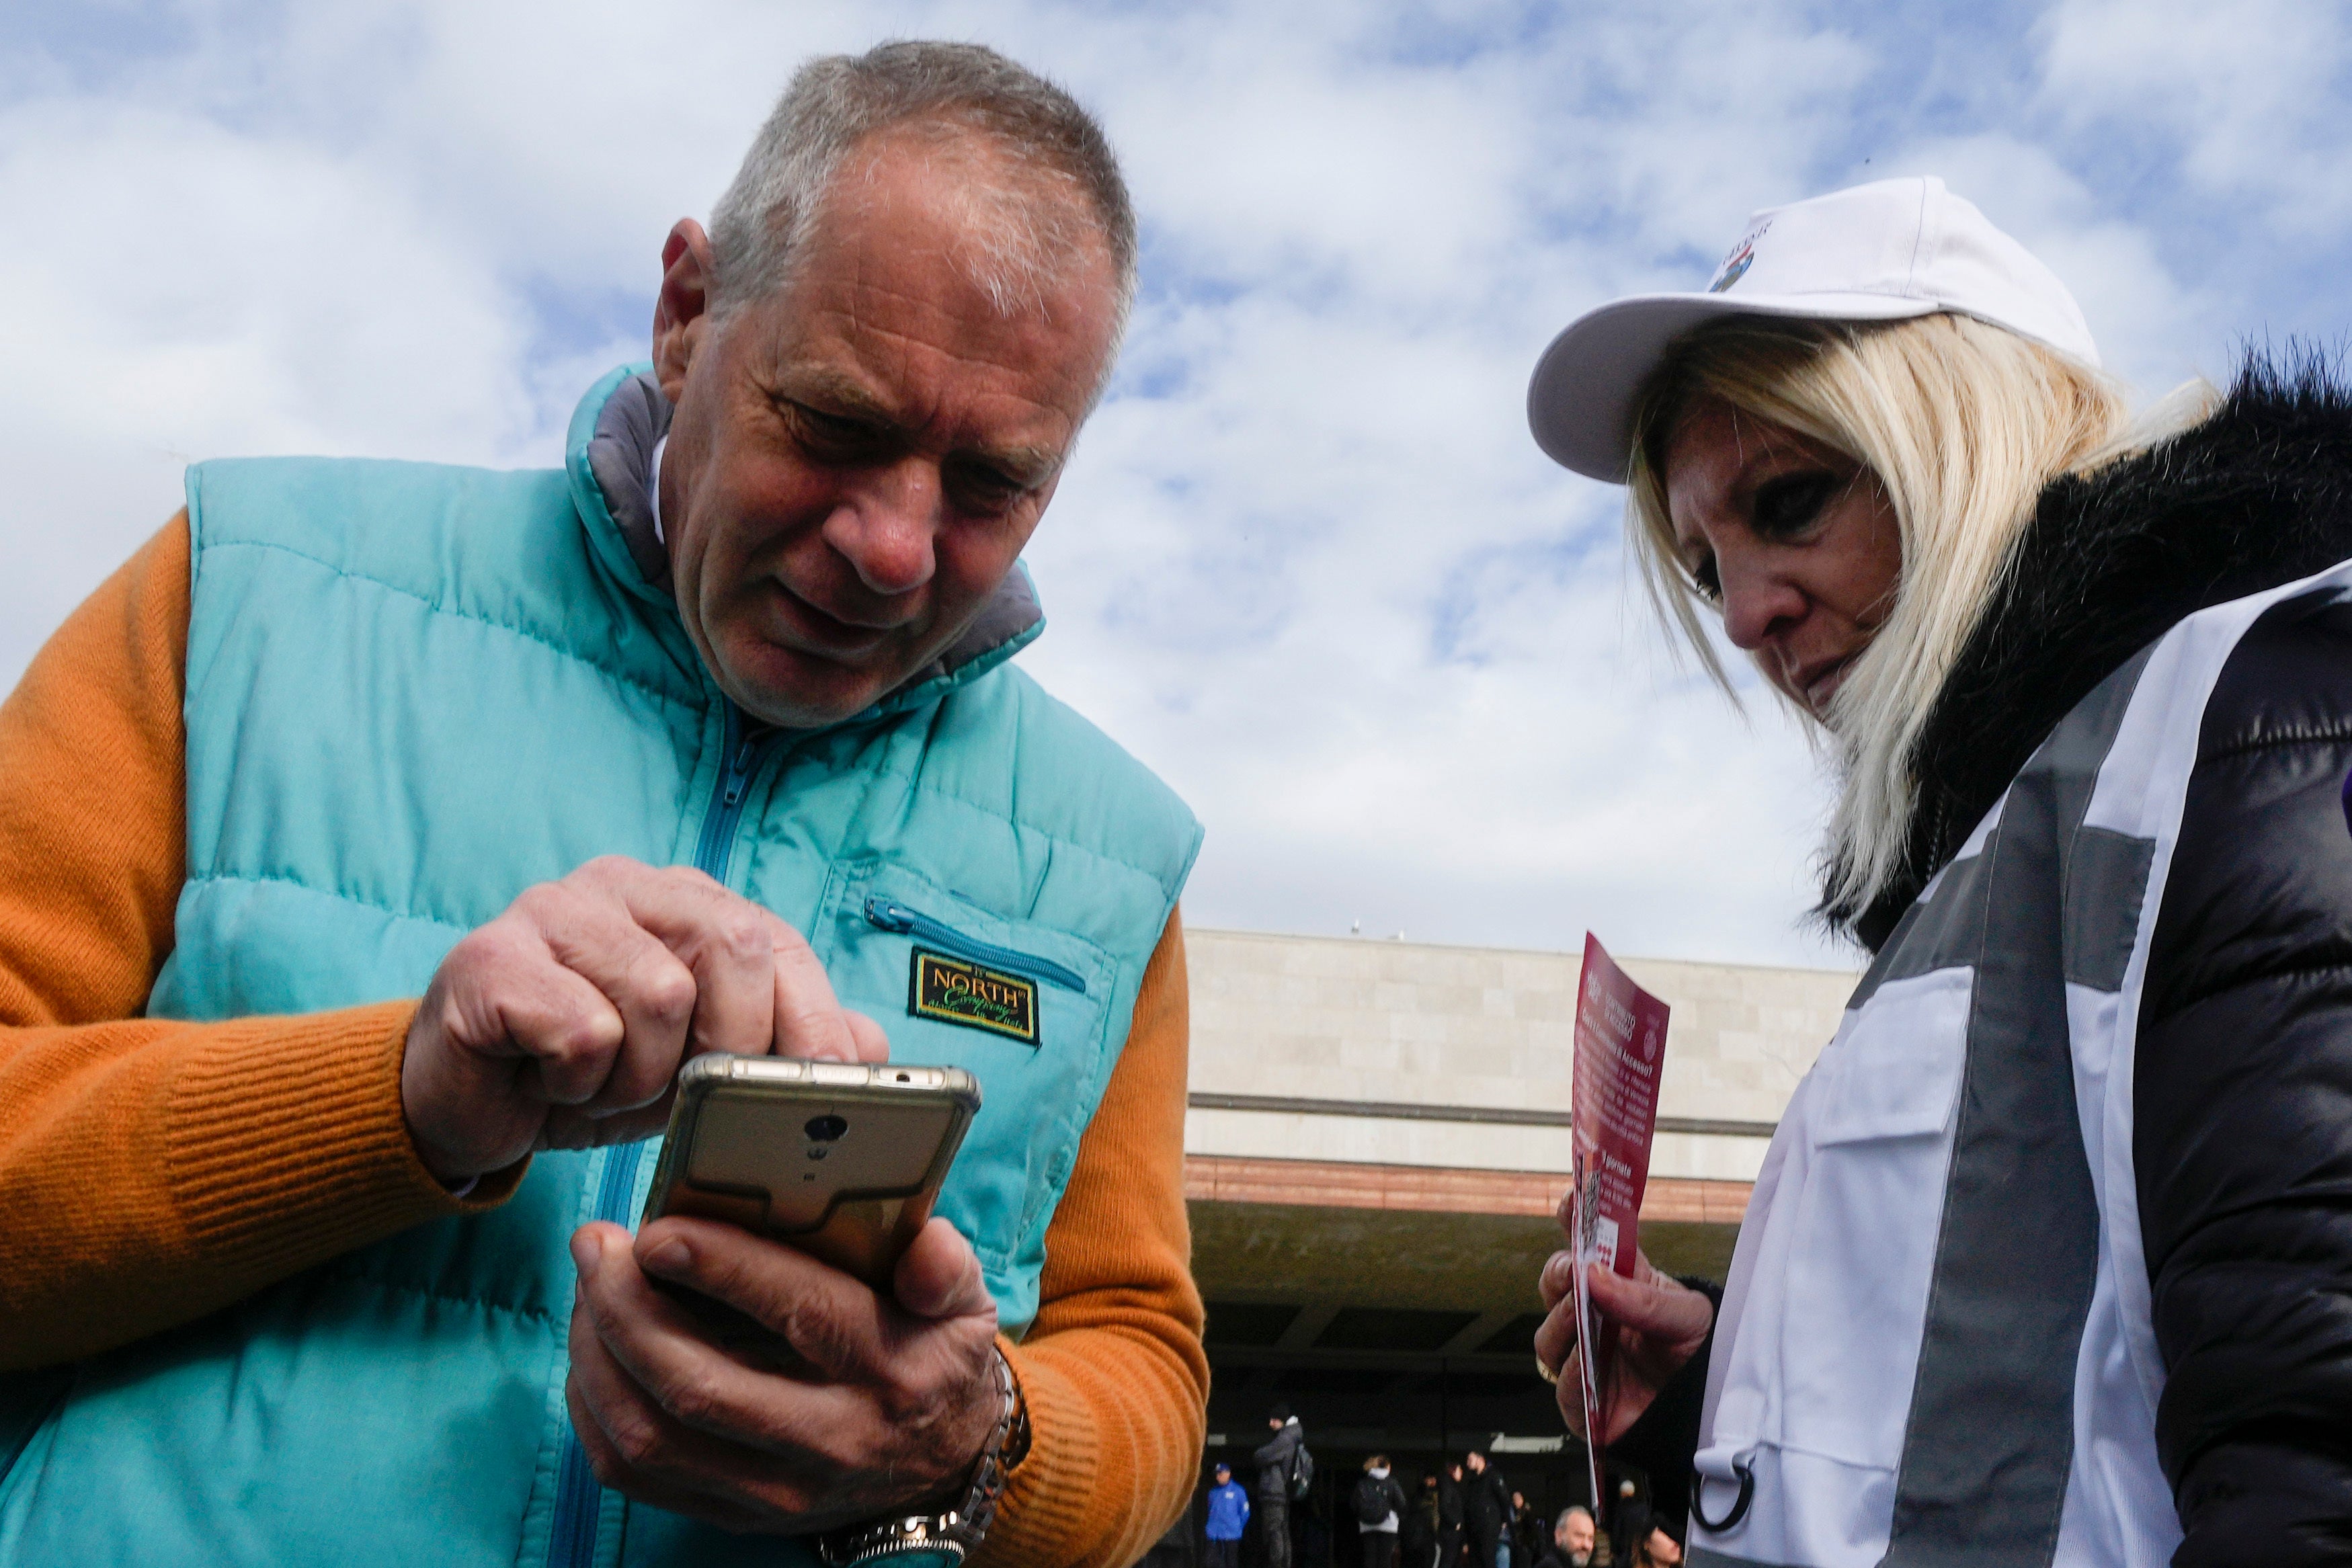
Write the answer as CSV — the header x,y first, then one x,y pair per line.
x,y
1796,544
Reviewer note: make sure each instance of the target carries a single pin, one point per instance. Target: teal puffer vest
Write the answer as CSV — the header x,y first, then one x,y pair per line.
x,y
413,691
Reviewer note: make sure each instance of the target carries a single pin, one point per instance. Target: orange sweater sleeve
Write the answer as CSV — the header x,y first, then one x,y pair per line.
x,y
1113,1372
153,1171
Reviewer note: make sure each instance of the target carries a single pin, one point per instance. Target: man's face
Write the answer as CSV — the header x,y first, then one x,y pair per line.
x,y
1478,1464
1575,1537
858,457
1224,1475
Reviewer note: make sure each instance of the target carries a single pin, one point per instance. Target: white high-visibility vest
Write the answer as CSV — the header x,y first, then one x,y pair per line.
x,y
1935,1346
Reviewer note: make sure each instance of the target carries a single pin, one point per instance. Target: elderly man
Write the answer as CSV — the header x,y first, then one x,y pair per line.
x,y
1576,1541
613,766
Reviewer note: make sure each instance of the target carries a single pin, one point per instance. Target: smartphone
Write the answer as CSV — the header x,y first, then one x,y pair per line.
x,y
843,1161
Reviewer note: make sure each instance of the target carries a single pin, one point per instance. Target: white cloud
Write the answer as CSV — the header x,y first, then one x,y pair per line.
x,y
177,290
2253,93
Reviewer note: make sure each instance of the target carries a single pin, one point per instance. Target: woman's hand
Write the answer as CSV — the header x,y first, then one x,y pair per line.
x,y
1658,1324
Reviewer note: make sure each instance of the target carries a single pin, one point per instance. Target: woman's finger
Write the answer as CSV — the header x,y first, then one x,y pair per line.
x,y
1555,1337
1658,1308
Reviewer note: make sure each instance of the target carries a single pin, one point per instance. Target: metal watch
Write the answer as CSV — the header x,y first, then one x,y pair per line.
x,y
942,1540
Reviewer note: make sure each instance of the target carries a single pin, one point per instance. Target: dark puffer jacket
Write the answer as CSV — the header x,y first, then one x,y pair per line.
x,y
2242,1086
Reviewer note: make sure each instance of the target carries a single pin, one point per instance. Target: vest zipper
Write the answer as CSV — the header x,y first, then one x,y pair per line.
x,y
891,916
572,1538
744,754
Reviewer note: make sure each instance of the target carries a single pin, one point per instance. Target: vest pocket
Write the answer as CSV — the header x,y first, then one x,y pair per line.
x,y
1897,1073
1862,1218
1020,1005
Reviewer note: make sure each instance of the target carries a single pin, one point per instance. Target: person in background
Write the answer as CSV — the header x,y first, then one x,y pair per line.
x,y
1417,1540
1275,1459
1486,1510
1576,1541
1379,1503
1453,1534
1526,1537
1229,1513
1629,1521
1658,1550
2052,1247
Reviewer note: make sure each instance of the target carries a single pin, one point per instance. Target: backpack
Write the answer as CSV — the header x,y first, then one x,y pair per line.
x,y
1371,1501
1302,1473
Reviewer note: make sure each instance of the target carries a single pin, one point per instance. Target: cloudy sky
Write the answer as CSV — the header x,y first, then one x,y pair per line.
x,y
1308,563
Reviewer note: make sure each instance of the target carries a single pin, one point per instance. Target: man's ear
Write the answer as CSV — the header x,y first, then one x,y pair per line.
x,y
681,313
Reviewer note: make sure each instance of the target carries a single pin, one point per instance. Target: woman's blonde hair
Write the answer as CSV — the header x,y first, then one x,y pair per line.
x,y
1963,423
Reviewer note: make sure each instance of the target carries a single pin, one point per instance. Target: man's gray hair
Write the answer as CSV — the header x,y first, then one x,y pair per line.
x,y
1066,178
1571,1511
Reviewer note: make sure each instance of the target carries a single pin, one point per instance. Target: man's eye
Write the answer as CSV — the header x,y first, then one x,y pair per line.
x,y
1787,507
832,433
985,490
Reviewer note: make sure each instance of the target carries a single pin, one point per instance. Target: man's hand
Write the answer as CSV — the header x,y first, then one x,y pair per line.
x,y
884,1405
1659,1324
561,1023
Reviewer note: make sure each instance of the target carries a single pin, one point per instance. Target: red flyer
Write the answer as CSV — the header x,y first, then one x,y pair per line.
x,y
1621,1046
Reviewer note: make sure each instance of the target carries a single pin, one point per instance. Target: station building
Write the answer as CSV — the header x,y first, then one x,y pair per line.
x,y
1376,1146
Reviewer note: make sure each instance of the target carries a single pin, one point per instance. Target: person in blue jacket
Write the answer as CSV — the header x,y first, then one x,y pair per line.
x,y
1229,1512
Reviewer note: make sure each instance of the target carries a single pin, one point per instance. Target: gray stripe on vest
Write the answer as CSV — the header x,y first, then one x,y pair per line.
x,y
2106,878
1942,932
1989,1436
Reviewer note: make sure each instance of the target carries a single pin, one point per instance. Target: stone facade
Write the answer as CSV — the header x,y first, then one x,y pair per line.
x,y
1359,1020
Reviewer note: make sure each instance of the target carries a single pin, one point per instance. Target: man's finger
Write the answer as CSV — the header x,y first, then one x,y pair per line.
x,y
833,1322
565,1029
939,1275
723,939
809,1021
668,1352
654,992
656,1381
502,1029
872,1043
635,1446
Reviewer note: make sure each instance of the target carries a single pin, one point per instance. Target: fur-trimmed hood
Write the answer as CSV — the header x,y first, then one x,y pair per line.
x,y
2259,495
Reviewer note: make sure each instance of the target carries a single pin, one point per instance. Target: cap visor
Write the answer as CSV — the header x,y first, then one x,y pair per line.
x,y
1580,400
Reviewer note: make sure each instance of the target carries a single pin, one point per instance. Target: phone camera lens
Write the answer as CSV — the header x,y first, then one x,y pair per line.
x,y
826,1129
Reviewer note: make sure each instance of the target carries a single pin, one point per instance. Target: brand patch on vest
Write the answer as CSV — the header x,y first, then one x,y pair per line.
x,y
956,992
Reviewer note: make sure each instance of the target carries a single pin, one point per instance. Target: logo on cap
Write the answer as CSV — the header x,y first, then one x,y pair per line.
x,y
1735,266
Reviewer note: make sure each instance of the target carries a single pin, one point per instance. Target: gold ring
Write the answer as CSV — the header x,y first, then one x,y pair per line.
x,y
1548,1374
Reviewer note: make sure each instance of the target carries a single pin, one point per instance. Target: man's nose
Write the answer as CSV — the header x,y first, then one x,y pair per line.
x,y
886,527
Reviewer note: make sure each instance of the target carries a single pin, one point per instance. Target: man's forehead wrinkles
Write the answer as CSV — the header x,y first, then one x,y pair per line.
x,y
956,345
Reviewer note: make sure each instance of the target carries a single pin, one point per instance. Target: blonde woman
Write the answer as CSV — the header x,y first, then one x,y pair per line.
x,y
2051,1259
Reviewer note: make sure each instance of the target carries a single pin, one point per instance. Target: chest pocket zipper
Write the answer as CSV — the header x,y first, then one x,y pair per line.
x,y
888,915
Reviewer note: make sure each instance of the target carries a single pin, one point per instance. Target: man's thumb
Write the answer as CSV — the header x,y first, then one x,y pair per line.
x,y
939,1275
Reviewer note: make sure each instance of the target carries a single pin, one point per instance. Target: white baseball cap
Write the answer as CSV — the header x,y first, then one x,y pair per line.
x,y
1880,252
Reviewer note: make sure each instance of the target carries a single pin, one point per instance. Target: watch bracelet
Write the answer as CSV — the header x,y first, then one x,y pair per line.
x,y
954,1533
1007,1446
